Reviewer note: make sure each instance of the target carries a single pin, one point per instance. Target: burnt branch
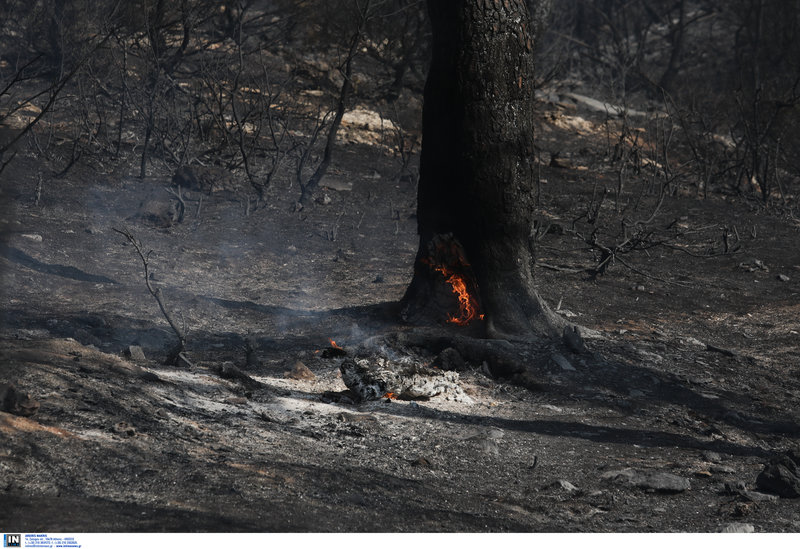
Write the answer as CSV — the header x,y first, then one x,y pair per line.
x,y
179,349
54,92
177,194
4,163
305,149
341,105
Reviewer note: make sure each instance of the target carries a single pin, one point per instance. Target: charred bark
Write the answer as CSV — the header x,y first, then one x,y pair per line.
x,y
476,168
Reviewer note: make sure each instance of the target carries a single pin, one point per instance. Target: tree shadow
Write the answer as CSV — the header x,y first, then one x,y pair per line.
x,y
288,330
358,493
303,330
65,271
607,381
604,434
724,406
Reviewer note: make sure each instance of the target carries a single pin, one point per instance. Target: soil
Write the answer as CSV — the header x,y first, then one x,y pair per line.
x,y
689,385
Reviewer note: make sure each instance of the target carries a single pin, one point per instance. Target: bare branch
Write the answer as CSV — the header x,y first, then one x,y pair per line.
x,y
173,355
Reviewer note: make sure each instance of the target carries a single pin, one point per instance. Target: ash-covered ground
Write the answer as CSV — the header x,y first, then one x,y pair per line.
x,y
664,422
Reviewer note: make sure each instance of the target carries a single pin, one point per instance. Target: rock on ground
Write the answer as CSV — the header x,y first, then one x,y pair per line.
x,y
649,480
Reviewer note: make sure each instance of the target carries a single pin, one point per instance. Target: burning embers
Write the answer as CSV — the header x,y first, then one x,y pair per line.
x,y
446,257
334,351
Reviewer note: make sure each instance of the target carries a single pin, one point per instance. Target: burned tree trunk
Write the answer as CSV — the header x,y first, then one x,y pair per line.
x,y
475,198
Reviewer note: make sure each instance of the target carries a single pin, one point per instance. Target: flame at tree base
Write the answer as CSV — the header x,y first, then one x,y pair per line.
x,y
439,273
468,306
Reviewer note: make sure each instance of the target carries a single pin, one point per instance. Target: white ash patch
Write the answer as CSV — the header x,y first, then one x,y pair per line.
x,y
373,377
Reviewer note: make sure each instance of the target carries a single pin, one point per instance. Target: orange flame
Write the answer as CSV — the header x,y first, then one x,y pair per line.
x,y
390,395
333,344
468,308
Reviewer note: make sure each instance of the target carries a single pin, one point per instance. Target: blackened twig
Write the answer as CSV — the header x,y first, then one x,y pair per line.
x,y
156,293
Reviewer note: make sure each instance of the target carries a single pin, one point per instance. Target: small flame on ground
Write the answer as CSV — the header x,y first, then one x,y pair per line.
x,y
468,308
390,395
333,344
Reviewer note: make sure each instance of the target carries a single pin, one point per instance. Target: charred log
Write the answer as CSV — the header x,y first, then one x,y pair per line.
x,y
372,378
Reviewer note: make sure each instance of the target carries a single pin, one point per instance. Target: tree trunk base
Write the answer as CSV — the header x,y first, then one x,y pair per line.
x,y
444,292
517,312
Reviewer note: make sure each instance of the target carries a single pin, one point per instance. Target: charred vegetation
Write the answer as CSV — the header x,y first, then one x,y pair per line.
x,y
374,229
